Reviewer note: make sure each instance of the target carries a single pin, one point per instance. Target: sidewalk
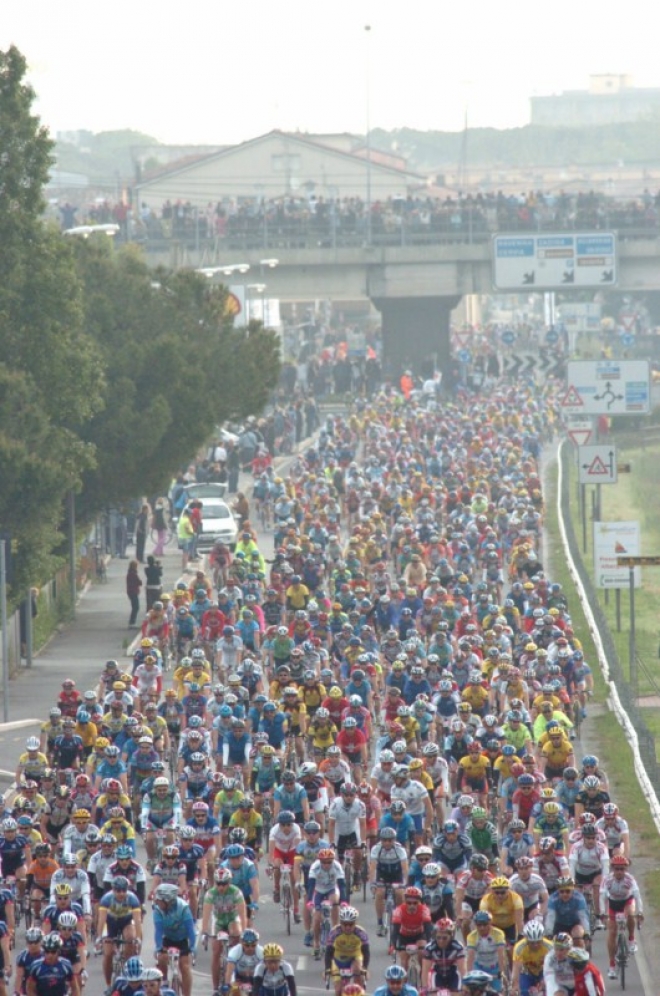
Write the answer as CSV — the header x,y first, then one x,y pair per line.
x,y
80,649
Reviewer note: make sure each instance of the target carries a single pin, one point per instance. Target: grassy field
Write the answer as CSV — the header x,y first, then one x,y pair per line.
x,y
602,733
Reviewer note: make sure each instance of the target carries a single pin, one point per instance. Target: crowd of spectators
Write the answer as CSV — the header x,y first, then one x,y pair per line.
x,y
300,221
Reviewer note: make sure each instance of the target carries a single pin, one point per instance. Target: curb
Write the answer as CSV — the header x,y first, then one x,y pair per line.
x,y
18,724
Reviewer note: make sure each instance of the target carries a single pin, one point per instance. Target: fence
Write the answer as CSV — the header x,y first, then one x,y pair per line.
x,y
53,606
646,739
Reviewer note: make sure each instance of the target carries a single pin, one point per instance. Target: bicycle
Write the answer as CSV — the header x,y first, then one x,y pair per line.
x,y
621,947
100,569
173,970
326,925
414,966
286,894
266,815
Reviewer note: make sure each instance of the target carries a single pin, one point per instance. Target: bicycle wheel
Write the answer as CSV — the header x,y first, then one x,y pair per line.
x,y
348,877
286,907
622,957
577,717
413,973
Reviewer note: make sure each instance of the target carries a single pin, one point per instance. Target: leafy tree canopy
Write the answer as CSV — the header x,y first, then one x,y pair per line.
x,y
174,368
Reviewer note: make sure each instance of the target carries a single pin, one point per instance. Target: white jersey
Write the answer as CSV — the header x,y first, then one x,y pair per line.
x,y
244,963
584,860
413,794
98,863
384,779
557,974
619,890
529,890
325,878
285,841
347,818
612,831
147,678
80,892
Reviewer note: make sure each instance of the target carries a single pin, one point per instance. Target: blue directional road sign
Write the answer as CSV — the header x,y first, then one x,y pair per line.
x,y
508,337
464,355
551,337
627,339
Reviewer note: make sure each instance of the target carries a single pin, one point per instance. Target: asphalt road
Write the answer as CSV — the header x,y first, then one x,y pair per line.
x,y
100,632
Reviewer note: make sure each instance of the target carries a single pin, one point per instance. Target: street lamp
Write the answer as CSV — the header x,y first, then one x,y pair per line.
x,y
225,268
367,29
251,290
270,263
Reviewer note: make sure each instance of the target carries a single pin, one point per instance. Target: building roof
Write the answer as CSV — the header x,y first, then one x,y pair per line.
x,y
190,162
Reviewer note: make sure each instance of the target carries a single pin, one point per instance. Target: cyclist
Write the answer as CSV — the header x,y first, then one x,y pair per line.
x,y
174,927
119,920
486,949
443,962
567,909
416,797
242,959
325,884
27,957
471,887
347,948
39,875
170,870
530,887
411,924
244,874
558,974
589,861
587,978
161,810
74,949
207,835
273,976
307,853
51,974
125,865
247,818
395,983
388,867
528,957
15,854
506,908
619,893
282,843
615,829
347,824
191,855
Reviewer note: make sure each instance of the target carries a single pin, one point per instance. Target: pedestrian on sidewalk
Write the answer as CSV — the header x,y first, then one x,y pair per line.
x,y
133,585
159,526
141,527
153,573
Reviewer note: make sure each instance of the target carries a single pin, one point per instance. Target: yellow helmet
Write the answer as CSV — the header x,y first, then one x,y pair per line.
x,y
552,808
416,763
335,692
500,882
118,686
101,743
267,750
273,951
81,814
63,889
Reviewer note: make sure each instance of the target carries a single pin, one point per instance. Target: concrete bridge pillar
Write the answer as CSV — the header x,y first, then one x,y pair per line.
x,y
416,333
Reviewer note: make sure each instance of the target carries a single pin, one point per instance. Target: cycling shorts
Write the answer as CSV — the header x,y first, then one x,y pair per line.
x,y
286,857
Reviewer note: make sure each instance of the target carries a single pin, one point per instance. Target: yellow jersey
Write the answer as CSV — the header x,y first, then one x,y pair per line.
x,y
474,766
556,755
312,697
503,911
323,736
530,957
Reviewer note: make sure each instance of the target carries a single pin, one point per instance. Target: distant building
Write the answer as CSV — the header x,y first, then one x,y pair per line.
x,y
279,164
610,99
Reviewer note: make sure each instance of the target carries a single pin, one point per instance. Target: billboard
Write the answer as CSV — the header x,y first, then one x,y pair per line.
x,y
612,540
554,262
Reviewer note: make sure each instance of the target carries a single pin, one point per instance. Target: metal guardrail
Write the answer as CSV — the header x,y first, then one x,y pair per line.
x,y
471,228
625,691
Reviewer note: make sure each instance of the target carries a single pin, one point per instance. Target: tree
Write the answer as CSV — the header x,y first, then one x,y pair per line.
x,y
174,368
49,372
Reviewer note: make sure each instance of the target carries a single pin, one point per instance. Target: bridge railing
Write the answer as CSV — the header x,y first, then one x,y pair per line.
x,y
467,227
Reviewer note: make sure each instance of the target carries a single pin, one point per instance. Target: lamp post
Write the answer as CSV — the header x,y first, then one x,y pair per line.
x,y
367,30
251,290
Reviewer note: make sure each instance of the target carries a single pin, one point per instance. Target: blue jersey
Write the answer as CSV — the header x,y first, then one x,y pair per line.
x,y
176,924
243,876
292,801
405,827
51,980
274,728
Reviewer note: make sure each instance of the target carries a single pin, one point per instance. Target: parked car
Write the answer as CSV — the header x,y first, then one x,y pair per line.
x,y
218,524
202,491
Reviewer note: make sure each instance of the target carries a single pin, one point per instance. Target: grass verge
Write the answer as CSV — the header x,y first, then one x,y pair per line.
x,y
609,740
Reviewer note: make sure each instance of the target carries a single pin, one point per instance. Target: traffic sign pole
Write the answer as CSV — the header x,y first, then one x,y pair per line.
x,y
631,639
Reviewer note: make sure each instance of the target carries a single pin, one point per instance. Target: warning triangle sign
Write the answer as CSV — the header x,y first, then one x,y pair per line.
x,y
571,399
579,437
619,547
462,339
597,467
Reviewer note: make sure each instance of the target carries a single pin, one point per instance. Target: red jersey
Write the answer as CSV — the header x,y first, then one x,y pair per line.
x,y
411,922
525,801
69,702
335,707
351,741
213,622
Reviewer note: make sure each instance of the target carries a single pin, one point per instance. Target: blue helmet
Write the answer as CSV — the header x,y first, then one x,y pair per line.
x,y
235,851
133,969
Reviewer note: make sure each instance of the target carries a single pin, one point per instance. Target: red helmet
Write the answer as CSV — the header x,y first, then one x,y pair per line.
x,y
619,861
412,892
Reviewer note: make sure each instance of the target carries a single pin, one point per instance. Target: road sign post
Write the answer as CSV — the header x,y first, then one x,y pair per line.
x,y
617,608
631,638
597,464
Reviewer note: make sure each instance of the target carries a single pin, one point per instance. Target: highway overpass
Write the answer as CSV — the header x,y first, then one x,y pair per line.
x,y
415,282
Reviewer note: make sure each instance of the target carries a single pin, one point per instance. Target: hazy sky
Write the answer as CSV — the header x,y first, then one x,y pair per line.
x,y
207,71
